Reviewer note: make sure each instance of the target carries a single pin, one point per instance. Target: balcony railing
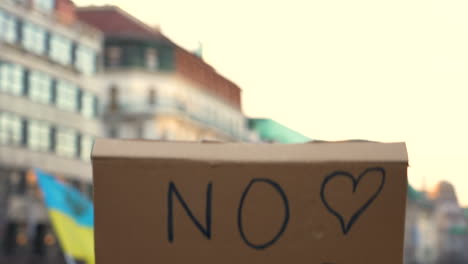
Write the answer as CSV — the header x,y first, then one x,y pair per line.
x,y
173,106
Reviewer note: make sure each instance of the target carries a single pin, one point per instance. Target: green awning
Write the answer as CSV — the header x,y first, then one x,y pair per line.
x,y
413,194
272,131
458,230
419,197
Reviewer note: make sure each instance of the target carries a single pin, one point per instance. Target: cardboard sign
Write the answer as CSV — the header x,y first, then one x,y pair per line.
x,y
213,203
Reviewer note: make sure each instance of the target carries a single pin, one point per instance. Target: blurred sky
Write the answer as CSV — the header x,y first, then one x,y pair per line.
x,y
339,69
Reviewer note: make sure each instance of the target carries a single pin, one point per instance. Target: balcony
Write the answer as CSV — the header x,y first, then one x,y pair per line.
x,y
176,107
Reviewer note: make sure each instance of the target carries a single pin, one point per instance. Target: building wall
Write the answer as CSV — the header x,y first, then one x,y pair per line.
x,y
192,101
76,31
177,98
195,69
421,232
449,217
48,117
65,12
23,105
436,229
465,237
426,252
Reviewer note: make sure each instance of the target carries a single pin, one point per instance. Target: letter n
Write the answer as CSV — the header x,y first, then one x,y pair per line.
x,y
172,191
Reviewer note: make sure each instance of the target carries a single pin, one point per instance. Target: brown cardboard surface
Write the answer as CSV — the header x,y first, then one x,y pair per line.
x,y
274,204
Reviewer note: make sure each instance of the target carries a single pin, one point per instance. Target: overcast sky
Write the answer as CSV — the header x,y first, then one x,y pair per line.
x,y
339,69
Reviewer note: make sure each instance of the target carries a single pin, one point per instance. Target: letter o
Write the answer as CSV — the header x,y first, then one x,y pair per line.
x,y
277,188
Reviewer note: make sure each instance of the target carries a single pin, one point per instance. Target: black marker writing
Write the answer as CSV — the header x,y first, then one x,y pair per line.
x,y
170,214
345,227
278,188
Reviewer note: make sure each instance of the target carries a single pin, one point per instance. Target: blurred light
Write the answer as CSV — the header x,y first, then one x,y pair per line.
x,y
49,240
21,239
31,178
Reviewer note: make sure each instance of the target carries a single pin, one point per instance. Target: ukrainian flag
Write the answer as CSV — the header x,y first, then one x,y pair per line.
x,y
72,217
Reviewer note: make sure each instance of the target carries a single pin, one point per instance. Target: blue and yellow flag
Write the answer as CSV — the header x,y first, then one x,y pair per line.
x,y
72,217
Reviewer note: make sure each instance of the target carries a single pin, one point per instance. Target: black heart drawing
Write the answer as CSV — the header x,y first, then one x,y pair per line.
x,y
345,227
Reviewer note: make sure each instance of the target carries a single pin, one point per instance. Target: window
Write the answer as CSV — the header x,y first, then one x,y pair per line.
x,y
88,105
134,56
11,129
34,38
40,236
95,106
113,56
67,95
164,135
76,184
85,60
114,98
38,135
45,5
66,142
152,96
8,28
11,78
21,2
151,58
40,87
86,147
113,131
60,49
17,182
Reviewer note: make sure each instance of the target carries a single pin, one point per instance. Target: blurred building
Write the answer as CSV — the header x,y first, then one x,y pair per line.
x,y
155,89
436,229
421,242
272,131
465,233
451,225
48,112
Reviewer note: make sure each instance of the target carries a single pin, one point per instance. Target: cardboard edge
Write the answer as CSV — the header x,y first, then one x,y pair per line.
x,y
345,151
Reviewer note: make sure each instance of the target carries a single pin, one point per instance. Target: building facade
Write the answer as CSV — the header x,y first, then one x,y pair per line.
x,y
48,112
155,89
421,240
436,227
451,225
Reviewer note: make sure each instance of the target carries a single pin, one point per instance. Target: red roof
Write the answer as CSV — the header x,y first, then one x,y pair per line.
x,y
115,22
112,21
